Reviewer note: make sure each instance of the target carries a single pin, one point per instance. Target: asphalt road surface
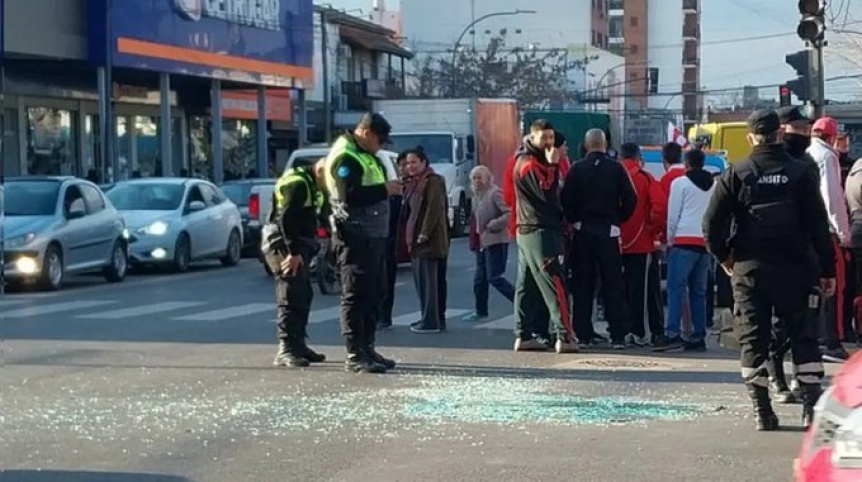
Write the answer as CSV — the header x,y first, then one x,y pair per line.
x,y
168,378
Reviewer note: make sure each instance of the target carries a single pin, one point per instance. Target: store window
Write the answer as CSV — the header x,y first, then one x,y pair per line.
x,y
11,149
239,145
124,148
91,150
145,158
200,150
51,146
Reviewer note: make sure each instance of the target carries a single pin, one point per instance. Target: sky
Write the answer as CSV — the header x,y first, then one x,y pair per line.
x,y
768,28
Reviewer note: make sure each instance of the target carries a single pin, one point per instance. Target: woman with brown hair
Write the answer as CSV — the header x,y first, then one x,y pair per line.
x,y
427,236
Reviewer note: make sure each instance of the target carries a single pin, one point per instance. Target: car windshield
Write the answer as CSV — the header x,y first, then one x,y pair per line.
x,y
438,147
303,161
238,192
31,198
146,197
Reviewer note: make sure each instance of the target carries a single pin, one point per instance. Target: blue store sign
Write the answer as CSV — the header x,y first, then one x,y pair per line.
x,y
267,42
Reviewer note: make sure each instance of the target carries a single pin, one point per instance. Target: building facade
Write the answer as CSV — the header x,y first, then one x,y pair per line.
x,y
114,89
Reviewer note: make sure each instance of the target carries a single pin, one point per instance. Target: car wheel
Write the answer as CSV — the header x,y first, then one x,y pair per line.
x,y
53,272
119,265
233,251
182,254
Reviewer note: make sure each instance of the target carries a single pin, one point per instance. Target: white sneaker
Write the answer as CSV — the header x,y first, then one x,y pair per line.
x,y
638,341
529,345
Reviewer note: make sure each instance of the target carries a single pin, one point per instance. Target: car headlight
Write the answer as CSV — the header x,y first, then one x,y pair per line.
x,y
20,241
847,447
158,228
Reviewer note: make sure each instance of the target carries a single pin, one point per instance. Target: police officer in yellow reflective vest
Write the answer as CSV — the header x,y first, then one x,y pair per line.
x,y
358,195
289,243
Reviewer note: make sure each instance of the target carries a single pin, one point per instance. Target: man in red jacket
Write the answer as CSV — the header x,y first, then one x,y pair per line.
x,y
638,239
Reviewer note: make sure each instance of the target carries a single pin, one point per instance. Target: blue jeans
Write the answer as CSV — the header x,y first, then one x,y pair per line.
x,y
491,270
687,271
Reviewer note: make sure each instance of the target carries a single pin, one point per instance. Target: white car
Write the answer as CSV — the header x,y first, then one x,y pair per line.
x,y
174,221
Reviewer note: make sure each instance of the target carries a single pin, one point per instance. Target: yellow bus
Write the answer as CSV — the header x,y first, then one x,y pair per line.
x,y
725,136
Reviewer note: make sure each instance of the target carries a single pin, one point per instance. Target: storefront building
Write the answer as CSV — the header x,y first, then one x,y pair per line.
x,y
164,72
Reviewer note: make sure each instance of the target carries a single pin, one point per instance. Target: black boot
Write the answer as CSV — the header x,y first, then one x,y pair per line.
x,y
780,391
287,357
362,363
311,355
763,415
810,393
380,359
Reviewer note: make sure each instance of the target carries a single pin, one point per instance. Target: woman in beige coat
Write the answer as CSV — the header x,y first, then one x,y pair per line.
x,y
490,240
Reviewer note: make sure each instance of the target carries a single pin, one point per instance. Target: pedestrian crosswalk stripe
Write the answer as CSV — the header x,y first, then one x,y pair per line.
x,y
228,313
150,309
504,323
410,318
327,314
54,308
6,303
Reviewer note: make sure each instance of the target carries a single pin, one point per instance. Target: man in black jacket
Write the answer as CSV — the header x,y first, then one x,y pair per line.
x,y
764,215
541,277
796,127
598,196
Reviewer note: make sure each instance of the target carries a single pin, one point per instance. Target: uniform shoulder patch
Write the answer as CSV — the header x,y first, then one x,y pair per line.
x,y
343,171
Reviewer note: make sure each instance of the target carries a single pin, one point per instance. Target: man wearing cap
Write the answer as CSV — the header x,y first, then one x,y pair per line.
x,y
823,135
763,215
359,192
796,128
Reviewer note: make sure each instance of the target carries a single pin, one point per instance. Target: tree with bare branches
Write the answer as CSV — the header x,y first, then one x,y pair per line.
x,y
534,78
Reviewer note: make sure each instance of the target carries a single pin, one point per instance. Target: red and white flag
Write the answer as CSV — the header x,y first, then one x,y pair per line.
x,y
675,135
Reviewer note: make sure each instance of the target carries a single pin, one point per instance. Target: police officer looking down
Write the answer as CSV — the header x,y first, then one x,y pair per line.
x,y
764,213
289,243
359,191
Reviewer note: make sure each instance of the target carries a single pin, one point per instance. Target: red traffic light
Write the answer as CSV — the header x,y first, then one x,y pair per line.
x,y
783,91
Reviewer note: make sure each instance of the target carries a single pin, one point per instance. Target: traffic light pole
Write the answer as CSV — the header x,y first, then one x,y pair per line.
x,y
818,80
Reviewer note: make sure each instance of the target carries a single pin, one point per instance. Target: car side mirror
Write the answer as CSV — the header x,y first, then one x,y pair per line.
x,y
196,206
77,210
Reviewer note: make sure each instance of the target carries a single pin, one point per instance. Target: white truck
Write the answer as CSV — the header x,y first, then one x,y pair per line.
x,y
456,134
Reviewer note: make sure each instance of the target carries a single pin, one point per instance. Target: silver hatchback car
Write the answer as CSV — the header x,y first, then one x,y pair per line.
x,y
57,226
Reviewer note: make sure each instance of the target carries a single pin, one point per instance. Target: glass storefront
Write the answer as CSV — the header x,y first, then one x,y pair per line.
x,y
239,138
11,151
51,147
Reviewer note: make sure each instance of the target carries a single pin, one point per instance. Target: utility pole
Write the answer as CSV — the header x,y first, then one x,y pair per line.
x,y
2,148
327,90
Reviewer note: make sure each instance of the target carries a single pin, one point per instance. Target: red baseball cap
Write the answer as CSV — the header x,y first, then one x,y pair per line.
x,y
826,125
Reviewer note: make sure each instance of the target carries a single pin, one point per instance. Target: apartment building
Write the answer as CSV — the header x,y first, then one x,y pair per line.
x,y
660,40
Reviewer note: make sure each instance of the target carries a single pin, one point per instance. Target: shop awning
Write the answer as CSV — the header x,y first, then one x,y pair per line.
x,y
371,41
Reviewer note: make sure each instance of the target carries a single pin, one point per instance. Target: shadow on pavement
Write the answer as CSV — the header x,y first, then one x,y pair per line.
x,y
81,476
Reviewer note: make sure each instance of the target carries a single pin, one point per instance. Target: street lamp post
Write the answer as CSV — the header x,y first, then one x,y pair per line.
x,y
467,29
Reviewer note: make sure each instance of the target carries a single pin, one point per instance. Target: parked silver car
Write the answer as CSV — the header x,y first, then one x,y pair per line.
x,y
174,221
56,226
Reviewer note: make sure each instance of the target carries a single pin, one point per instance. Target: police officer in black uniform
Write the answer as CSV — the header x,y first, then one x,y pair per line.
x,y
764,214
358,193
288,244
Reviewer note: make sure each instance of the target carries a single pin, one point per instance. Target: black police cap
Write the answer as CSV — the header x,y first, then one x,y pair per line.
x,y
764,121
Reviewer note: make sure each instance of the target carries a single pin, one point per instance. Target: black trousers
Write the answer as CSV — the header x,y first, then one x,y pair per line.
x,y
293,295
590,252
759,291
442,290
361,262
387,301
643,294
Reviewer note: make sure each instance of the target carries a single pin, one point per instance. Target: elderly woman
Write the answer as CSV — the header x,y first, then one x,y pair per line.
x,y
426,234
490,240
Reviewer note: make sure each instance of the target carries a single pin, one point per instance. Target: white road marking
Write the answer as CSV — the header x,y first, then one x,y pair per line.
x,y
326,314
54,308
504,323
135,311
5,303
228,313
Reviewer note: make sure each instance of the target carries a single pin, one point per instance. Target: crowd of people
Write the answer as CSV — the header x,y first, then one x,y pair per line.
x,y
778,225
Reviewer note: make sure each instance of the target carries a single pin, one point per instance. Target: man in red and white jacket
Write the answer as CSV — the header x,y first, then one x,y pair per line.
x,y
638,239
687,259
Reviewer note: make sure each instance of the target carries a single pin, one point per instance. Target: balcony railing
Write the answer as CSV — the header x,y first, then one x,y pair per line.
x,y
360,95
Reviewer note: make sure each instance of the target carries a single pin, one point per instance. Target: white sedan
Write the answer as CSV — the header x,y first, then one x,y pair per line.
x,y
174,221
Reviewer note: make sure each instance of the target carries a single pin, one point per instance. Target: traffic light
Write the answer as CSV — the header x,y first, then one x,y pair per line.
x,y
801,85
784,96
812,26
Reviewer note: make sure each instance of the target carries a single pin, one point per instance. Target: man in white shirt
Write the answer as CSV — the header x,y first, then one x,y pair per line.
x,y
687,259
823,135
